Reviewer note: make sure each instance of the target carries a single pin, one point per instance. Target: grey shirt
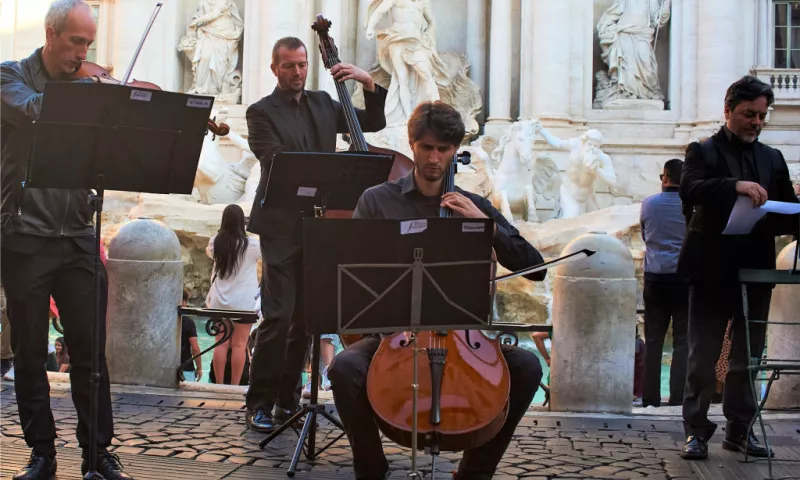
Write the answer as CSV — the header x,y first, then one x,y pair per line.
x,y
400,199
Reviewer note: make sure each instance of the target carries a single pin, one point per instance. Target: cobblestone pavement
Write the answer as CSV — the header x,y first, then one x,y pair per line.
x,y
543,447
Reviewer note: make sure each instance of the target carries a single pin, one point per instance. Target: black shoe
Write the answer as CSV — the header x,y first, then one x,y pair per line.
x,y
260,421
695,448
282,415
108,465
748,444
39,467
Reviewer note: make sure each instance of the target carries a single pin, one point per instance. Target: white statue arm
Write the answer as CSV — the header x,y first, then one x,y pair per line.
x,y
209,17
427,14
376,16
554,141
660,9
606,169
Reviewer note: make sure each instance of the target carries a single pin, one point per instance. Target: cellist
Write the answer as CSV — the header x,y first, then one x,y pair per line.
x,y
435,131
48,249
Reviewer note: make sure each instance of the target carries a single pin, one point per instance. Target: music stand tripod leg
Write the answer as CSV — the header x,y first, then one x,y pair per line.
x,y
308,434
94,377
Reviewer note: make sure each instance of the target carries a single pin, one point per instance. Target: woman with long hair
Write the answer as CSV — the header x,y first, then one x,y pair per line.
x,y
62,355
234,278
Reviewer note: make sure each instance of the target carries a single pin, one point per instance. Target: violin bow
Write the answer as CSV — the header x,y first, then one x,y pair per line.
x,y
141,43
572,257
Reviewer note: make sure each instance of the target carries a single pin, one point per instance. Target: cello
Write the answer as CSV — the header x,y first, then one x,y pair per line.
x,y
401,166
461,399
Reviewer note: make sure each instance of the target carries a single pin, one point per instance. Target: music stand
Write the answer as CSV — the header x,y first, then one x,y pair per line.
x,y
399,275
114,137
318,181
312,183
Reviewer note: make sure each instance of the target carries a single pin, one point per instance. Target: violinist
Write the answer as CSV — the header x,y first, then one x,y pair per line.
x,y
48,249
293,119
435,131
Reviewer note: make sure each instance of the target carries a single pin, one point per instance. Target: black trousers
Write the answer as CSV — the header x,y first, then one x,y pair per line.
x,y
281,343
62,269
348,376
710,308
664,301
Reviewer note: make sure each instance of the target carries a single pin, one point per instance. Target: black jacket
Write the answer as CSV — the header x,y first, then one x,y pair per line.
x,y
708,185
269,133
37,212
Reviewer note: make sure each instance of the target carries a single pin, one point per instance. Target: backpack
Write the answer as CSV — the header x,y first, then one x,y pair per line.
x,y
710,156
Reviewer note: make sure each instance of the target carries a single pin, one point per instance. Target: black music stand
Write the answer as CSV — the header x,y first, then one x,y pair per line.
x,y
311,183
399,275
104,136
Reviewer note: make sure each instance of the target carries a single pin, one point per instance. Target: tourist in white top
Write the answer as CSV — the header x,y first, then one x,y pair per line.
x,y
234,278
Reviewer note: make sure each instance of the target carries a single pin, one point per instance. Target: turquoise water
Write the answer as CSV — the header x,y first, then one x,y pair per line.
x,y
206,341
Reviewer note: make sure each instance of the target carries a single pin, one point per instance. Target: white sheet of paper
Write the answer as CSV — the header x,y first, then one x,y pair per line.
x,y
744,216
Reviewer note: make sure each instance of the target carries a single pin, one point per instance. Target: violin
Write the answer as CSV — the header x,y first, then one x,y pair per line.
x,y
90,69
462,396
402,165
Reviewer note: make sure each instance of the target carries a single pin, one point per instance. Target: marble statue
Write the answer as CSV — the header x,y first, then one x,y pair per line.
x,y
626,32
410,67
217,180
586,164
212,45
407,51
519,173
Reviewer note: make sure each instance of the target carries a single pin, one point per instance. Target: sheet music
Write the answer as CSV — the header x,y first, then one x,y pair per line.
x,y
744,216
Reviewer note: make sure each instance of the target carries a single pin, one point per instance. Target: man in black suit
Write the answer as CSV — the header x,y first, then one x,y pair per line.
x,y
731,163
291,119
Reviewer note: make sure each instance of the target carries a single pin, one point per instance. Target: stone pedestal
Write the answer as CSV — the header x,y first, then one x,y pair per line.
x,y
145,280
594,328
783,341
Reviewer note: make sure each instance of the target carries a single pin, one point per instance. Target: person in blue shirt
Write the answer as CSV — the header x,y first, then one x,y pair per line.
x,y
666,292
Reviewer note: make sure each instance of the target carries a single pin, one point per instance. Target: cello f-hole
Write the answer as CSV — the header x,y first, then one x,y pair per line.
x,y
476,346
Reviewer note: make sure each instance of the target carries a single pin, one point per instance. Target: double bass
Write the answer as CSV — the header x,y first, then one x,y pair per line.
x,y
462,392
401,166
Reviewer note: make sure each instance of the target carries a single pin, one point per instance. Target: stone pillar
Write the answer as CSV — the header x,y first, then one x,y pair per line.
x,y
526,65
476,45
160,61
254,58
783,341
500,57
594,328
764,31
145,282
366,50
552,36
688,59
718,58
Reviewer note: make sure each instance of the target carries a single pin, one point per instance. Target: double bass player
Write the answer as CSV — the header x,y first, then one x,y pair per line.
x,y
435,131
293,119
